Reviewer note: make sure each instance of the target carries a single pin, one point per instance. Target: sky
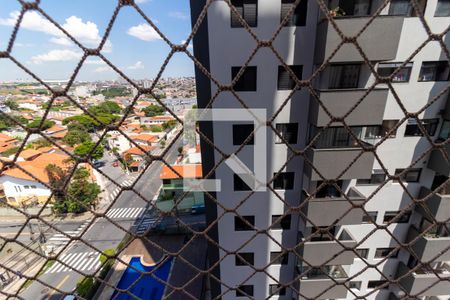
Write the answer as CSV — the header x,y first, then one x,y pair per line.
x,y
133,45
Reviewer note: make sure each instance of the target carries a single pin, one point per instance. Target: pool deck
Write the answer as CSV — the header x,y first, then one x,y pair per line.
x,y
151,253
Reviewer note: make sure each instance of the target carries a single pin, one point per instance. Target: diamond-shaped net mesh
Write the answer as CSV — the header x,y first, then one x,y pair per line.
x,y
183,252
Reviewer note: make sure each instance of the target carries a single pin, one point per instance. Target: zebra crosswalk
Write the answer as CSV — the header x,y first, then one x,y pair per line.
x,y
115,192
59,240
125,212
146,222
82,261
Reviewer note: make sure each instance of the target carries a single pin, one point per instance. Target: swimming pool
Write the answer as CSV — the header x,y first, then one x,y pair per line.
x,y
148,287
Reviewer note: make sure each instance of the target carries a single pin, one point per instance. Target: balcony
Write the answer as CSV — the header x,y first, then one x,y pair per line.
x,y
317,252
438,163
438,204
325,211
339,102
314,284
423,282
376,42
331,162
429,245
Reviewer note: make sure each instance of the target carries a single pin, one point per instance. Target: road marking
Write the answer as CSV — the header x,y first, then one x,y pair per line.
x,y
125,212
57,287
59,240
76,261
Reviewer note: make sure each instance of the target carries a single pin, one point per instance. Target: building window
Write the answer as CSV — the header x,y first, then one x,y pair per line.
x,y
279,258
283,181
239,184
247,81
277,289
245,259
378,177
26,187
355,285
405,8
248,10
411,175
285,80
445,130
402,75
340,137
387,126
241,225
288,131
370,217
328,190
373,284
384,252
241,132
353,7
363,253
434,71
244,291
33,187
298,18
442,8
390,215
344,76
284,223
413,129
400,8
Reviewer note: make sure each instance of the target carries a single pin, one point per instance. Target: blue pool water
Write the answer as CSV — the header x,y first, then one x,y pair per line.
x,y
148,287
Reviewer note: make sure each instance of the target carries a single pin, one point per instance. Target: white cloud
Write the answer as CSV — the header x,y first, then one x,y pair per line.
x,y
31,21
178,15
102,69
56,55
144,32
141,1
95,62
86,33
138,65
184,42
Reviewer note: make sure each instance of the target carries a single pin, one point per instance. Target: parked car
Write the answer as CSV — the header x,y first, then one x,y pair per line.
x,y
198,209
99,164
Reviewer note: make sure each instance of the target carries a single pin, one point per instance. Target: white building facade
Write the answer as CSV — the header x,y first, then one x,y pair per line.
x,y
290,257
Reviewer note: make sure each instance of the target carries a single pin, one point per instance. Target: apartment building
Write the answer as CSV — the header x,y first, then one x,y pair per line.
x,y
361,132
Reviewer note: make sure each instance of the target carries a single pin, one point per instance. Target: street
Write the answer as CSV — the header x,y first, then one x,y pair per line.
x,y
99,233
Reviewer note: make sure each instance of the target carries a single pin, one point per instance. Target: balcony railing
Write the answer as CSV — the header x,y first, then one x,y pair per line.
x,y
424,282
328,210
376,42
438,204
339,102
429,246
319,251
320,283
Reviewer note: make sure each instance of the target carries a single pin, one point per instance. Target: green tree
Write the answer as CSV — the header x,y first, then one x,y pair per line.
x,y
153,110
169,124
57,179
155,128
107,107
80,193
12,104
45,125
75,137
6,123
40,143
87,147
87,121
